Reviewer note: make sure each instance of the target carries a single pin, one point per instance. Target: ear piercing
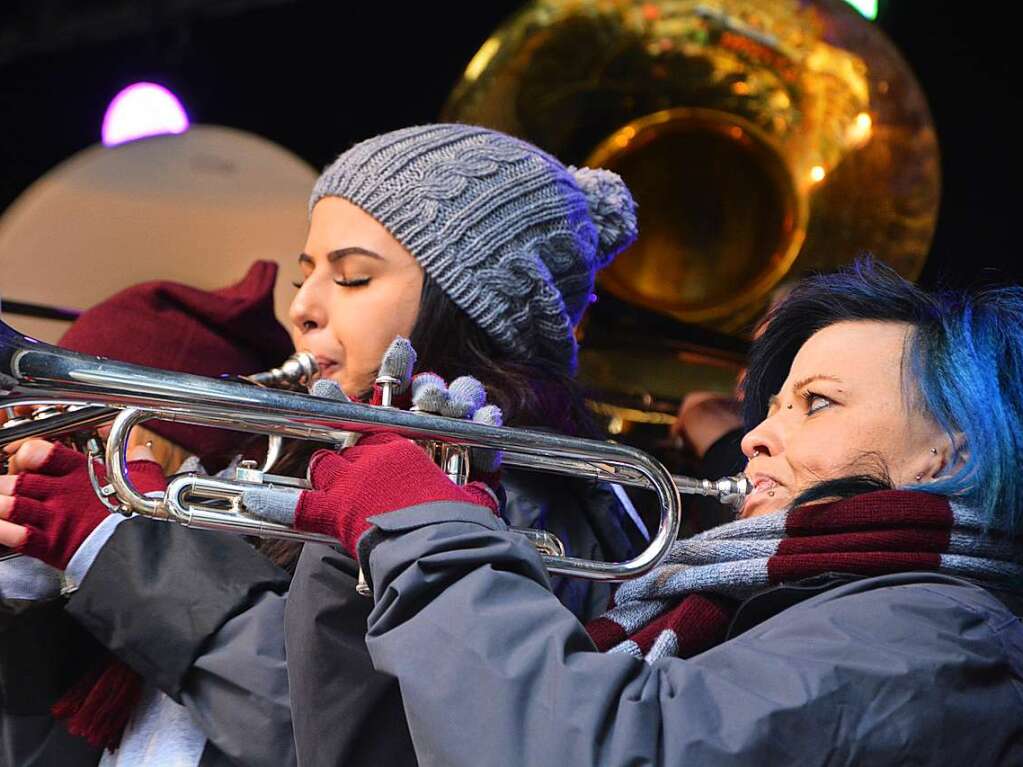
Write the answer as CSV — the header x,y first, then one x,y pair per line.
x,y
934,451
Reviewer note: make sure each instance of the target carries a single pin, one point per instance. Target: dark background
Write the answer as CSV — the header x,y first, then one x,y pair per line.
x,y
315,75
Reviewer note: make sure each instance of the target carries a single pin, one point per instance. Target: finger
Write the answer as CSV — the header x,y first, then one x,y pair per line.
x,y
274,504
466,395
12,536
147,476
483,460
62,461
325,466
489,415
429,393
398,362
378,438
327,388
141,453
7,483
20,510
12,447
34,454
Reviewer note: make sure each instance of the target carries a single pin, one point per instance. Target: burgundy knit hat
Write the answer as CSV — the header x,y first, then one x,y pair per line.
x,y
175,327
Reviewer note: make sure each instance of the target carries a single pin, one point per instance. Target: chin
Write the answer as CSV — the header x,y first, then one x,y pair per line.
x,y
759,504
356,390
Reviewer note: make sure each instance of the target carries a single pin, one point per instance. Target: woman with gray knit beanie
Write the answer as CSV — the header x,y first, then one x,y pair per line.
x,y
509,235
479,248
482,250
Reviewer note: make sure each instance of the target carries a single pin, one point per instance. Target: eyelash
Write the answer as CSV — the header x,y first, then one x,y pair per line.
x,y
353,283
810,396
343,283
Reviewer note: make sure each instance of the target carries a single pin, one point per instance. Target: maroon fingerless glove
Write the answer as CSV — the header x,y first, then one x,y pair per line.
x,y
59,507
382,473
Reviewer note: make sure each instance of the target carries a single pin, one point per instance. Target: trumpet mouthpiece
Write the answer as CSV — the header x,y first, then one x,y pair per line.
x,y
296,371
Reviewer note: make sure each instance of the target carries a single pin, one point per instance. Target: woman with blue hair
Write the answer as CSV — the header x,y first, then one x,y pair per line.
x,y
864,610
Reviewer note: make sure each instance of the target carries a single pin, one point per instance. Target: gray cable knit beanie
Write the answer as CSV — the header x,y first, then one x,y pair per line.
x,y
510,234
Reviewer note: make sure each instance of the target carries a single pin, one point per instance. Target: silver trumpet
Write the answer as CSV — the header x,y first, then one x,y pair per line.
x,y
35,373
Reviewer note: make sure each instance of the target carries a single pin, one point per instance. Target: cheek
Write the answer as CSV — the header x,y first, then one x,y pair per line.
x,y
364,326
841,448
818,451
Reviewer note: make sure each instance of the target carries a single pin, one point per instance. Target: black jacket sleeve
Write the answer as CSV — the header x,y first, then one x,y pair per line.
x,y
344,712
158,592
724,457
42,653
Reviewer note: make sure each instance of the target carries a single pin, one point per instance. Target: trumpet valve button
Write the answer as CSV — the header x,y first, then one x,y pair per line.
x,y
248,471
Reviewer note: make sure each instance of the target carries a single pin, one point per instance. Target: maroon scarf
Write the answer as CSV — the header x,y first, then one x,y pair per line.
x,y
685,605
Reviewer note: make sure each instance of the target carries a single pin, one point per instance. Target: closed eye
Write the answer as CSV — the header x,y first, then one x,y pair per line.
x,y
356,283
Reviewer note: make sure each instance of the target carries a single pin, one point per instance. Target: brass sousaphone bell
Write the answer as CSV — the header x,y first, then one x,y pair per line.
x,y
761,138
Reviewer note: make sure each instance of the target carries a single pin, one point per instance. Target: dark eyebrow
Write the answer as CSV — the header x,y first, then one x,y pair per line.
x,y
336,255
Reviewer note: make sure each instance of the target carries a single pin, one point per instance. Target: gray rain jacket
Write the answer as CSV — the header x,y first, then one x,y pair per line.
x,y
201,617
907,669
349,714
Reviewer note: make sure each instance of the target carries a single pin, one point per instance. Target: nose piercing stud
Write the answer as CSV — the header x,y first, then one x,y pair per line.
x,y
756,453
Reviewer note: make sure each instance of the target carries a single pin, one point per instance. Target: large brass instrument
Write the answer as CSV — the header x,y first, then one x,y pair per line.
x,y
34,373
761,138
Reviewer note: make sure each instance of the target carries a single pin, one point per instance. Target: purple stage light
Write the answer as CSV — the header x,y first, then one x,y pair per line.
x,y
141,110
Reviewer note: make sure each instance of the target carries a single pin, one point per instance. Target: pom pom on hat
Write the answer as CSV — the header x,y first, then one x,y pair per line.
x,y
611,207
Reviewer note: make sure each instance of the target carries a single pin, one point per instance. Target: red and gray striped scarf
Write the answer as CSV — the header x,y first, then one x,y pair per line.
x,y
685,605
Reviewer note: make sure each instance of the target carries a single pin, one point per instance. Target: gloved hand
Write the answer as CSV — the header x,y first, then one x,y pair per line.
x,y
384,472
49,510
464,398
